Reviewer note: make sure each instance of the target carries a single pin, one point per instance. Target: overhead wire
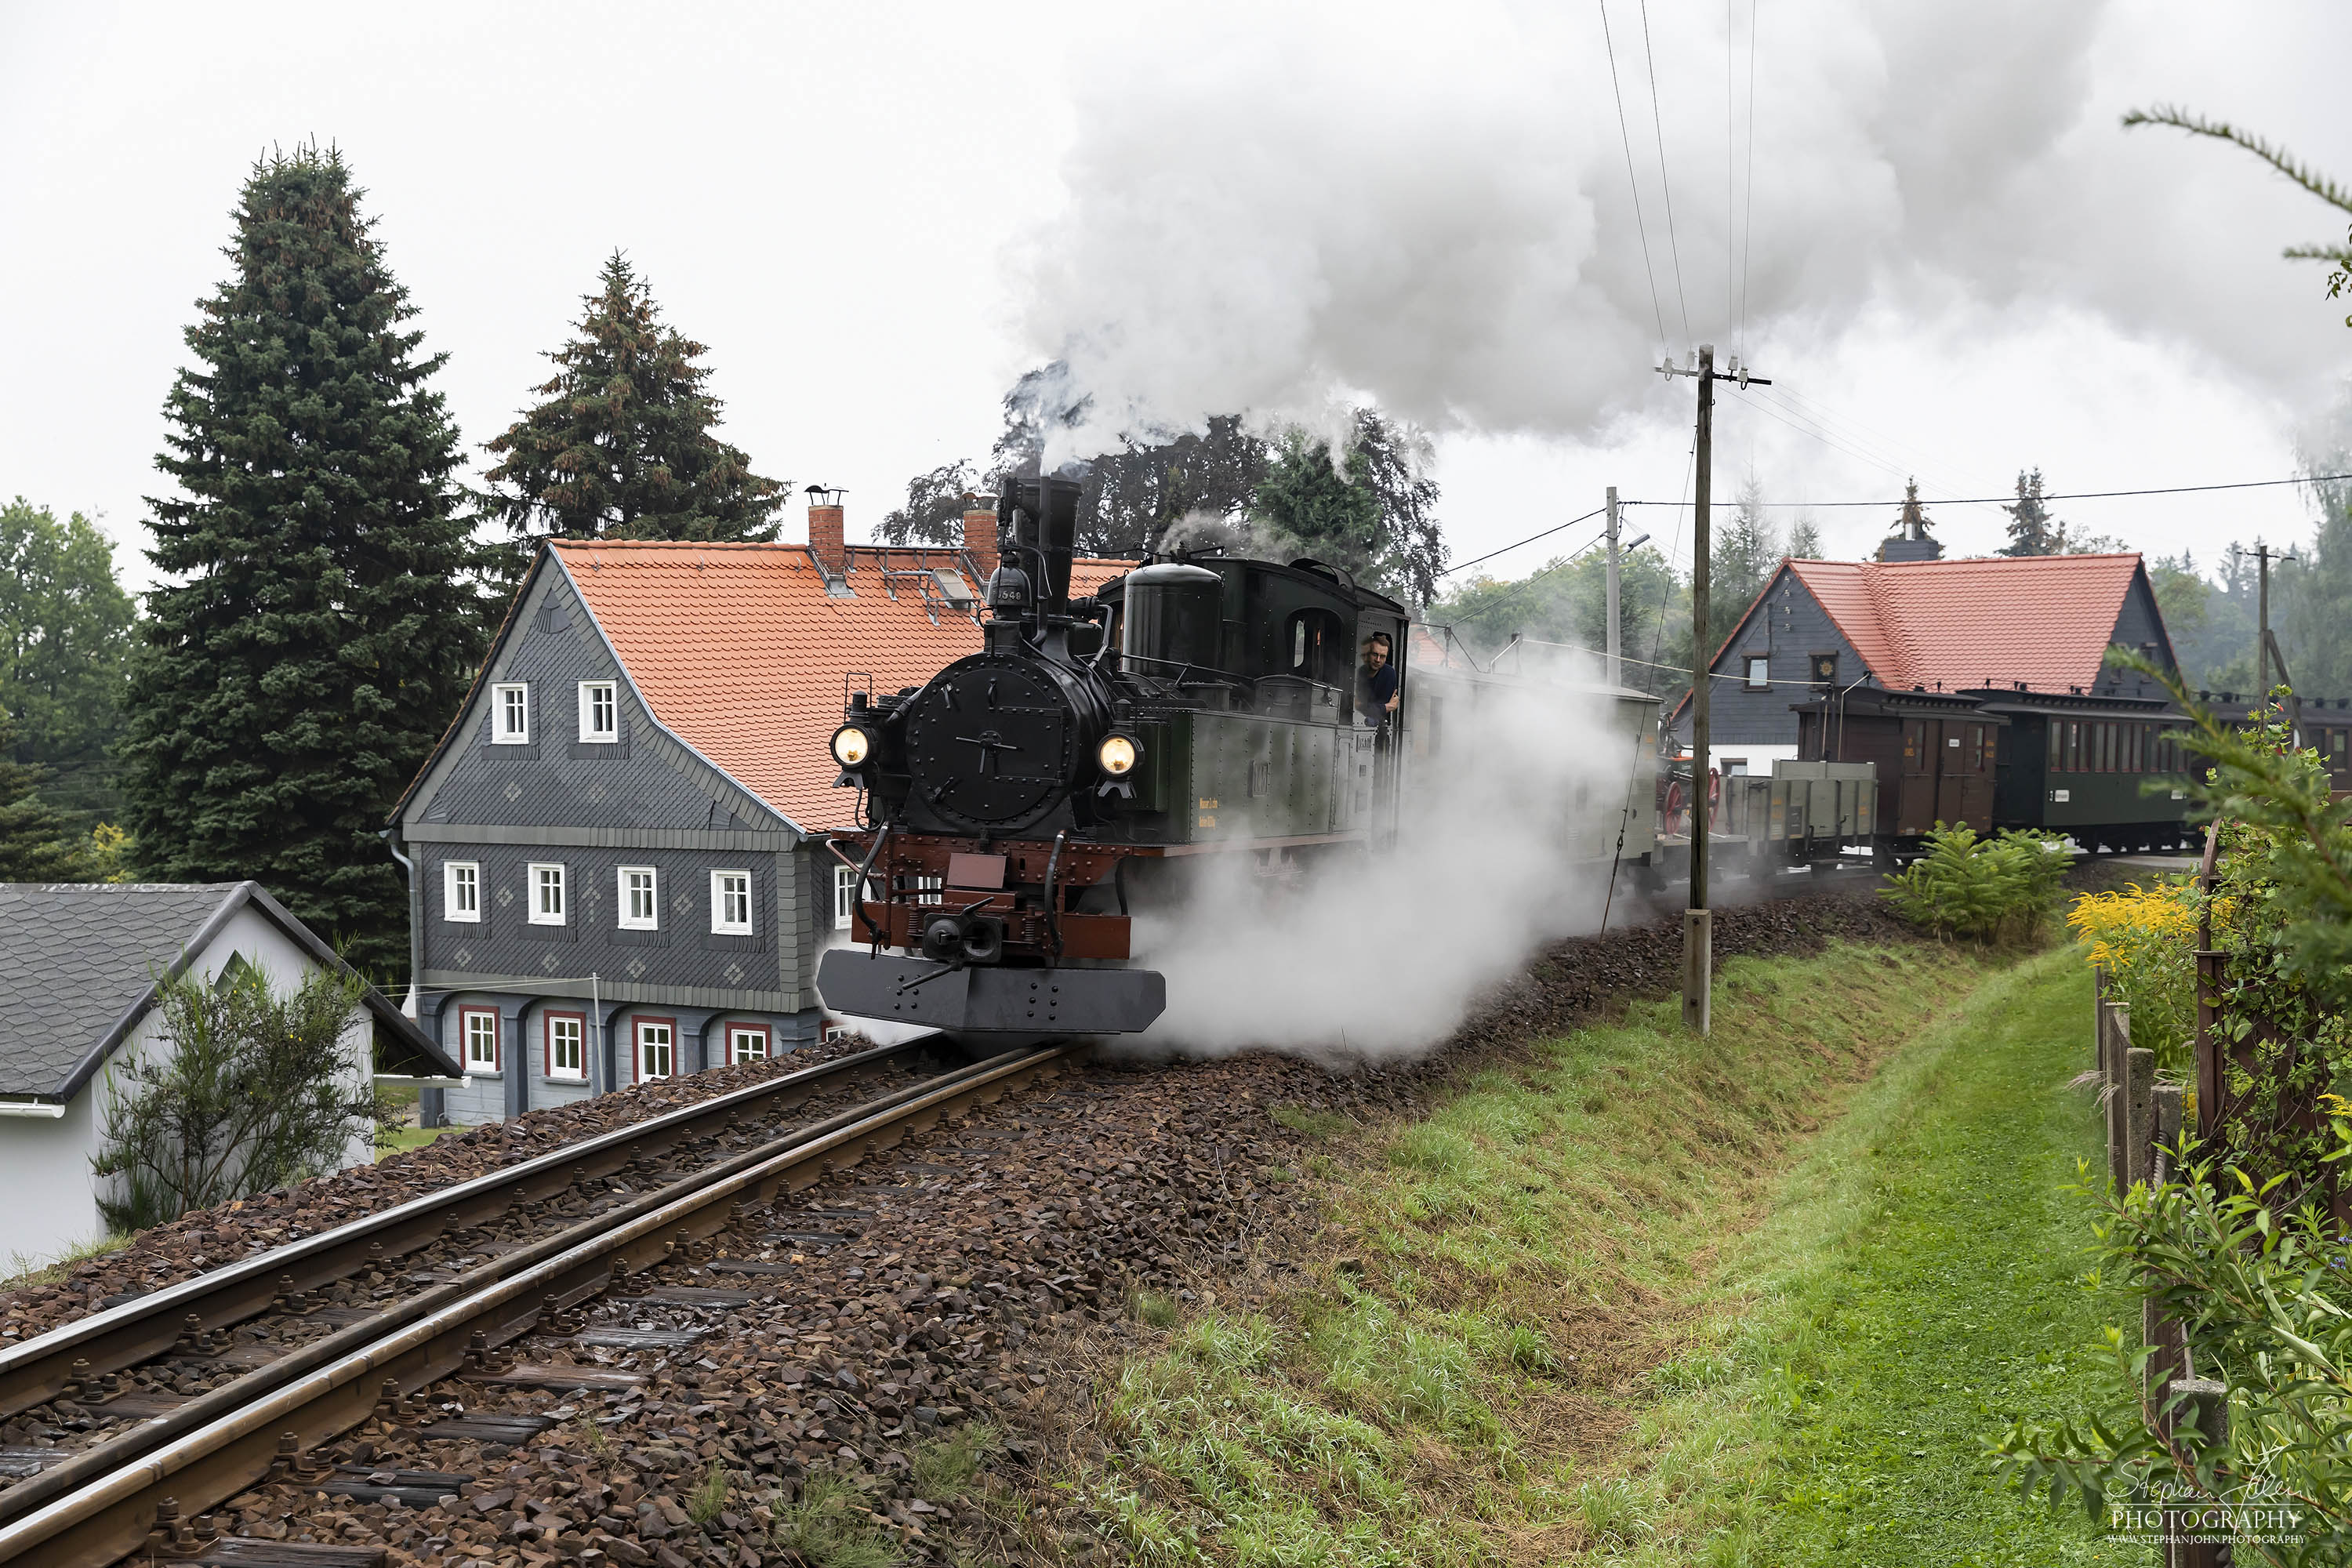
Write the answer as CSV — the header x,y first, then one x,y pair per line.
x,y
1658,125
2010,499
1747,221
1530,539
1625,138
1859,433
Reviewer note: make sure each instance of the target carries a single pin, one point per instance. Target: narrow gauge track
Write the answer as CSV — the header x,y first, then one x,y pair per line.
x,y
150,1479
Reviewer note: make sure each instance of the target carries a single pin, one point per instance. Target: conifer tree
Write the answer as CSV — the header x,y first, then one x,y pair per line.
x,y
1375,513
37,845
314,634
622,447
2032,530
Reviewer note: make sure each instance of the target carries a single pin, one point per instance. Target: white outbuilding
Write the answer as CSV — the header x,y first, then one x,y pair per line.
x,y
80,968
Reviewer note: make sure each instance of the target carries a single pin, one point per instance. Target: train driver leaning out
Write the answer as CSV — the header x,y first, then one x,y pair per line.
x,y
1377,694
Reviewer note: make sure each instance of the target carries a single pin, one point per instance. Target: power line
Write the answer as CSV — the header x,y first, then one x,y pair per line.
x,y
1658,124
1747,224
1530,539
2011,500
1625,138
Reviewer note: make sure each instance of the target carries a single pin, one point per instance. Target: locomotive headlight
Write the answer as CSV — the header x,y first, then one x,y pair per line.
x,y
851,745
1117,755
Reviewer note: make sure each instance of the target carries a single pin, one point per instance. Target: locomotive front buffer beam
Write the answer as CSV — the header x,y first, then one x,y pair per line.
x,y
1003,1004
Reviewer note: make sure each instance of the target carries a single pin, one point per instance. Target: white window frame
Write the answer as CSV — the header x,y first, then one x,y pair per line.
x,y
510,700
610,692
738,1032
639,1043
722,894
627,905
467,1039
461,892
845,897
1748,664
556,1071
539,883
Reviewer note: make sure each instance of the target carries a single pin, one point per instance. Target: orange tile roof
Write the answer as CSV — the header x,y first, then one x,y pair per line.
x,y
740,652
2045,620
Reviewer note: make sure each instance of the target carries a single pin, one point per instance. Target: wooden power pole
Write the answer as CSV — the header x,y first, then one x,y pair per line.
x,y
1698,920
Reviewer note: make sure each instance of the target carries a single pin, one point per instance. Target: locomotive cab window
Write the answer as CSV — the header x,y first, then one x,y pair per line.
x,y
1315,647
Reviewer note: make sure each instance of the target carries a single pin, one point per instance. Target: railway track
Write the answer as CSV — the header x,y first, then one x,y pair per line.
x,y
147,1476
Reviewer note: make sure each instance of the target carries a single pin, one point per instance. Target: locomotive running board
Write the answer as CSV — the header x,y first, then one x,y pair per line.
x,y
990,1000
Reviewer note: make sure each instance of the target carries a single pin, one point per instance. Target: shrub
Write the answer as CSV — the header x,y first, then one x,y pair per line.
x,y
1999,889
2145,941
245,1090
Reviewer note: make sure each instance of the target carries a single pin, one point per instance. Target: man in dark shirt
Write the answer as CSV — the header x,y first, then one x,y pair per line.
x,y
1377,694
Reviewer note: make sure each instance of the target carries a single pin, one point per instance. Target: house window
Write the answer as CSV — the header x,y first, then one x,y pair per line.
x,y
1760,671
461,891
546,894
746,1043
477,1033
730,902
510,715
845,896
640,908
656,1049
599,712
567,1046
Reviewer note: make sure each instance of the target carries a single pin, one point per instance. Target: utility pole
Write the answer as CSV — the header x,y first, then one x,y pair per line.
x,y
2262,644
1616,650
1698,921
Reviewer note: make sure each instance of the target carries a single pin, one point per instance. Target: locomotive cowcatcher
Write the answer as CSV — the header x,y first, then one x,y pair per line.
x,y
1026,804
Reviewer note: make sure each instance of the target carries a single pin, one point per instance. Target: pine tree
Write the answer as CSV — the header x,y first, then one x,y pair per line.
x,y
2032,530
1805,537
622,447
1747,552
36,844
314,634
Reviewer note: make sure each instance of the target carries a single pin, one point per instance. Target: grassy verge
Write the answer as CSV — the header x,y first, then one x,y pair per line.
x,y
1629,1302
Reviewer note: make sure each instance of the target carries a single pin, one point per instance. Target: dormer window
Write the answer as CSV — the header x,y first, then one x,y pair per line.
x,y
599,712
510,715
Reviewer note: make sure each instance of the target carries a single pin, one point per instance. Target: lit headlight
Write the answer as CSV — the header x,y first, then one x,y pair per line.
x,y
851,745
1116,755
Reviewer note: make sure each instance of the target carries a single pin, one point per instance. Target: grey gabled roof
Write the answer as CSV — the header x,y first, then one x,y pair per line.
x,y
80,962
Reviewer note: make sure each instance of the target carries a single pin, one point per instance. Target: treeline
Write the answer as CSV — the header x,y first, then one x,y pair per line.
x,y
328,581
1371,509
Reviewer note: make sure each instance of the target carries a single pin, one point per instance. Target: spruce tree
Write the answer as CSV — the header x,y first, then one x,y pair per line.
x,y
37,842
2032,530
314,634
1375,513
622,447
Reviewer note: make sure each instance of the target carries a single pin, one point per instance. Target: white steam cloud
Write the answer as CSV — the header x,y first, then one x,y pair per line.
x,y
1285,210
1507,845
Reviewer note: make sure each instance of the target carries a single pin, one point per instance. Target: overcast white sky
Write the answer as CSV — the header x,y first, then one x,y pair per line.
x,y
1955,262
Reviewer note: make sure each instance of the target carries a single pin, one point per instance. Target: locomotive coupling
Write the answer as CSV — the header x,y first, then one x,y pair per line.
x,y
963,936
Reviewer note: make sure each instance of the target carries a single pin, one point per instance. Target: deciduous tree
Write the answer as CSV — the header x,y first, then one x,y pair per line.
x,y
65,633
314,632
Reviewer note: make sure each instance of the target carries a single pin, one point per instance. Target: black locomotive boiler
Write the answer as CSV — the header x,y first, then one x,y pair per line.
x,y
1023,802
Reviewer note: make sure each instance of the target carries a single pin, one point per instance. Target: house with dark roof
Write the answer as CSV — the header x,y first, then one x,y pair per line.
x,y
1972,683
81,969
620,855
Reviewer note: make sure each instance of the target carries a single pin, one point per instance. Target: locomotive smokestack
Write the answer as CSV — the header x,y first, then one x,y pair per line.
x,y
1045,518
980,534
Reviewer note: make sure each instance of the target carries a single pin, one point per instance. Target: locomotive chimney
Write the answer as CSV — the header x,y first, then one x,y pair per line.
x,y
980,534
824,536
1045,519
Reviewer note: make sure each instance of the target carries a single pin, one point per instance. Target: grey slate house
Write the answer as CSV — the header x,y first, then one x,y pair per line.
x,y
620,861
78,969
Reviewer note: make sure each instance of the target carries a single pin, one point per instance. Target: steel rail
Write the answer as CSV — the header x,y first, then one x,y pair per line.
x,y
113,1515
37,1371
128,1444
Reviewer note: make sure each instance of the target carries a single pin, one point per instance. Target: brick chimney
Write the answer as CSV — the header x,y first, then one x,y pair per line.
x,y
825,535
979,538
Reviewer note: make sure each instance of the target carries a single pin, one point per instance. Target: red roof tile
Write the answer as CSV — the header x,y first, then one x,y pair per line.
x,y
740,652
2045,620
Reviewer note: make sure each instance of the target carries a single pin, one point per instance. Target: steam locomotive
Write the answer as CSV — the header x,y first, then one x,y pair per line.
x,y
1103,758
